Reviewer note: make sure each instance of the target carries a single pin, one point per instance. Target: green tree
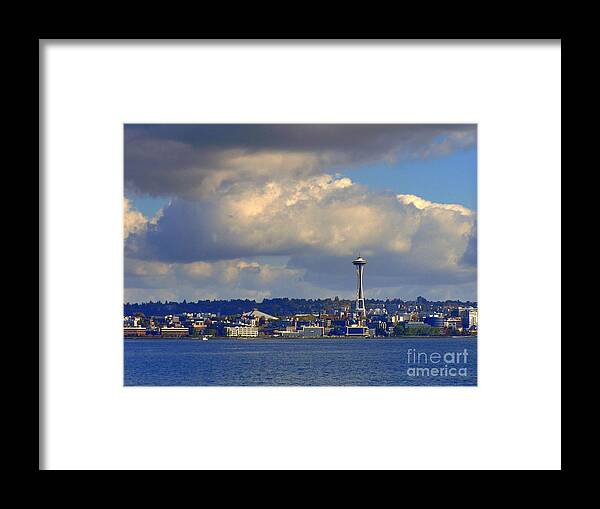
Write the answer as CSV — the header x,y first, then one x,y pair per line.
x,y
400,329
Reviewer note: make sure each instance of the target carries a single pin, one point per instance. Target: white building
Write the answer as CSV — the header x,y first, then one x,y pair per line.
x,y
255,313
473,317
454,323
469,317
242,332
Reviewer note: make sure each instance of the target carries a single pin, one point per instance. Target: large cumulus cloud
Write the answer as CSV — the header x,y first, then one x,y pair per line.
x,y
314,227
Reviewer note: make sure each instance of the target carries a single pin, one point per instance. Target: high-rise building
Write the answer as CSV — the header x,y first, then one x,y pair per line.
x,y
469,317
472,318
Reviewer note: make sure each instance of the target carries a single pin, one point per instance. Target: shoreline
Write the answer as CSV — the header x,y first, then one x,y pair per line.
x,y
266,338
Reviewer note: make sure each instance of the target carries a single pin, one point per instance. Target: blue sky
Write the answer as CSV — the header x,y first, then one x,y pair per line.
x,y
149,205
446,179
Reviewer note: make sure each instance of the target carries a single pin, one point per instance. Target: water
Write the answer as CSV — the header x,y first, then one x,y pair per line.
x,y
307,362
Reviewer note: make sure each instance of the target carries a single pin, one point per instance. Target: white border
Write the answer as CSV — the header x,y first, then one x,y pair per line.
x,y
511,421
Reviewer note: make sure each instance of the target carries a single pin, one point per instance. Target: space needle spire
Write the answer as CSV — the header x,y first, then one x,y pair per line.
x,y
360,263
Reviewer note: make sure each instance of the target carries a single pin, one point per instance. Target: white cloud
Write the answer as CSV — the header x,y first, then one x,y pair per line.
x,y
133,220
318,224
422,204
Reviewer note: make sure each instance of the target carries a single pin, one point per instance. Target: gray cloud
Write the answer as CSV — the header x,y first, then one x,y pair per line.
x,y
470,256
196,160
255,280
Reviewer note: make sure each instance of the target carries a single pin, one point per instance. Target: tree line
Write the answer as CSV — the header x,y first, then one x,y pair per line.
x,y
277,306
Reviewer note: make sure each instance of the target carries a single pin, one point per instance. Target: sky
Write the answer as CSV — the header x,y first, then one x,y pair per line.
x,y
215,211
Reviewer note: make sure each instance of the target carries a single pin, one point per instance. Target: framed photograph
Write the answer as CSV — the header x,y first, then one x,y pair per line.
x,y
287,255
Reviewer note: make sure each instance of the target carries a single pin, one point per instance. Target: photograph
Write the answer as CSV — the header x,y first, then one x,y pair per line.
x,y
300,255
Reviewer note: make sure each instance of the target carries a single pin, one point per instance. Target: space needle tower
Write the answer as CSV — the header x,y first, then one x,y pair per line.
x,y
360,263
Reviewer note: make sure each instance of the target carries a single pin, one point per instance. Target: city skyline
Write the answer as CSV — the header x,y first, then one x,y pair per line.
x,y
265,211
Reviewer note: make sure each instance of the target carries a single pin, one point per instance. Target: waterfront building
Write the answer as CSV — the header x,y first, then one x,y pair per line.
x,y
379,325
357,330
134,331
241,331
312,331
454,323
436,321
287,333
174,331
198,328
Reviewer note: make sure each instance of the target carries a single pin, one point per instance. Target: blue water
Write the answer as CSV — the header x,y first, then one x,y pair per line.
x,y
307,362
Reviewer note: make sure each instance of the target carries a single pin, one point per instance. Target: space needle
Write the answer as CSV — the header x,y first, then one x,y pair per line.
x,y
360,263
